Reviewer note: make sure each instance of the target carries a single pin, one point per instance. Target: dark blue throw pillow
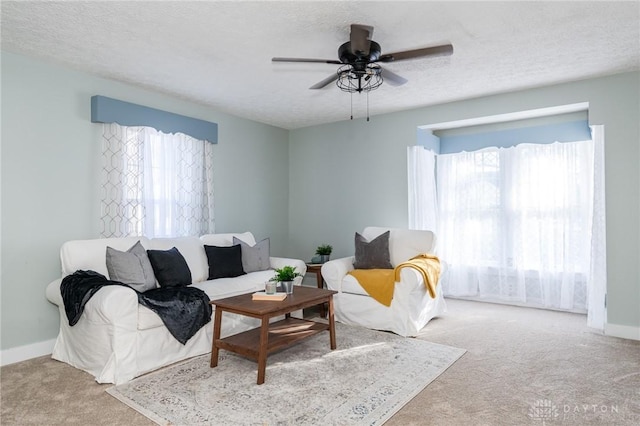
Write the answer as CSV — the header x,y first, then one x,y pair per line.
x,y
170,267
224,262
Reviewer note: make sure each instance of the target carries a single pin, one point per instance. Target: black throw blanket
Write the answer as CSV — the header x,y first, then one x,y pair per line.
x,y
183,310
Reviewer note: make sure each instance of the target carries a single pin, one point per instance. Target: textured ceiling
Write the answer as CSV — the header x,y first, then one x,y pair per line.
x,y
219,53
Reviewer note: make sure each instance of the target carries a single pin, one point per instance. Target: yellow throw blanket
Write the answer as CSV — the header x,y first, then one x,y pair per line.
x,y
428,265
380,283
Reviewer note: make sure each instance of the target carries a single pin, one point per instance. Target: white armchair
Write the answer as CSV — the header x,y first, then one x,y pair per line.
x,y
411,307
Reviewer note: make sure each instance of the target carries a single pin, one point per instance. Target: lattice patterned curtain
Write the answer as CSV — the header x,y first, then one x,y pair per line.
x,y
155,184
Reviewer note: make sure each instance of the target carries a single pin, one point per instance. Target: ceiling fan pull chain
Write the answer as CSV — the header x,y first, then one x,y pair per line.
x,y
351,105
367,106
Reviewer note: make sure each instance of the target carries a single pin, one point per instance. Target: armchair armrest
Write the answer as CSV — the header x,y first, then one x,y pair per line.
x,y
412,286
410,280
335,270
279,262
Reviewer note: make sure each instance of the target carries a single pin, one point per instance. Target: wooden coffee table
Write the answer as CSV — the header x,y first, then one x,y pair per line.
x,y
268,338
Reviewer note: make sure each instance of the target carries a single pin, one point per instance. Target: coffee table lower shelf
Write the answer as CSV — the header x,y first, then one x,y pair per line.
x,y
258,343
282,334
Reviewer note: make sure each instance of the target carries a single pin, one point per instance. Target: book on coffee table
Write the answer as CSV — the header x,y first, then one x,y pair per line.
x,y
261,295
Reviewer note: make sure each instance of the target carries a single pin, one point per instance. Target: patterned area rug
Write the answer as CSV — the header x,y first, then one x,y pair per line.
x,y
368,378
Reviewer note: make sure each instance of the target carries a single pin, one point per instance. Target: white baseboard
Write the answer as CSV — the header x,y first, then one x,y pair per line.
x,y
23,353
34,350
623,331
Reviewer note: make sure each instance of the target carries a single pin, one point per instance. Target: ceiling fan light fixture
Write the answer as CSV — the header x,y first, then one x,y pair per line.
x,y
352,80
359,56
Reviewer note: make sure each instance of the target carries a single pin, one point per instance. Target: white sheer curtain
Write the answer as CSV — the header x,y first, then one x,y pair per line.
x,y
516,224
597,289
155,184
423,207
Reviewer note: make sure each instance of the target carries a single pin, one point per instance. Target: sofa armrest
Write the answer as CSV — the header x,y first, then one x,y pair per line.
x,y
113,304
53,293
279,262
335,270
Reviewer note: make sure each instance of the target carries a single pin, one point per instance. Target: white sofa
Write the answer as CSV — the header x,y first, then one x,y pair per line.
x,y
411,307
116,339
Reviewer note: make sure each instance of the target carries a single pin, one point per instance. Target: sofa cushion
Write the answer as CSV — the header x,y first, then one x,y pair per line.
x,y
404,243
90,254
170,267
227,287
254,257
224,262
131,267
372,254
226,240
351,285
215,289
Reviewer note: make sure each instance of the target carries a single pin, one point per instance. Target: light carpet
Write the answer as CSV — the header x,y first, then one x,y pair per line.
x,y
367,379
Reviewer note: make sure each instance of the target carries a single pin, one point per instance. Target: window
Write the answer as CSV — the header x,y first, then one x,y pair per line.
x,y
155,184
515,223
510,222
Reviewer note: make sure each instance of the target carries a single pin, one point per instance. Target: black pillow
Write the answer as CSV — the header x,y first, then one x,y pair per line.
x,y
170,268
224,262
372,254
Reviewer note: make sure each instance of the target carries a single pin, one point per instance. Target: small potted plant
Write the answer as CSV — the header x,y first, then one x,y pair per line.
x,y
324,251
285,277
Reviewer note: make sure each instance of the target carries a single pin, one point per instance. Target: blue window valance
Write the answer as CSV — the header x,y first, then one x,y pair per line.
x,y
108,110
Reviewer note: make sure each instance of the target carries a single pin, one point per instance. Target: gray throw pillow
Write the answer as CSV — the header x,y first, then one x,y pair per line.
x,y
131,267
372,254
254,258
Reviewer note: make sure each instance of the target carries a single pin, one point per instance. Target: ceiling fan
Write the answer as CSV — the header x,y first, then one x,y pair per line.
x,y
359,59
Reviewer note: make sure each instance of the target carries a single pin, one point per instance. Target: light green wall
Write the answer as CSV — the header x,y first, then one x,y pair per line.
x,y
50,181
351,174
341,178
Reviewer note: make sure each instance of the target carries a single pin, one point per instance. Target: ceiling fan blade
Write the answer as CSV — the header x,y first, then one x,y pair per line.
x,y
322,61
392,78
319,85
444,50
361,39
